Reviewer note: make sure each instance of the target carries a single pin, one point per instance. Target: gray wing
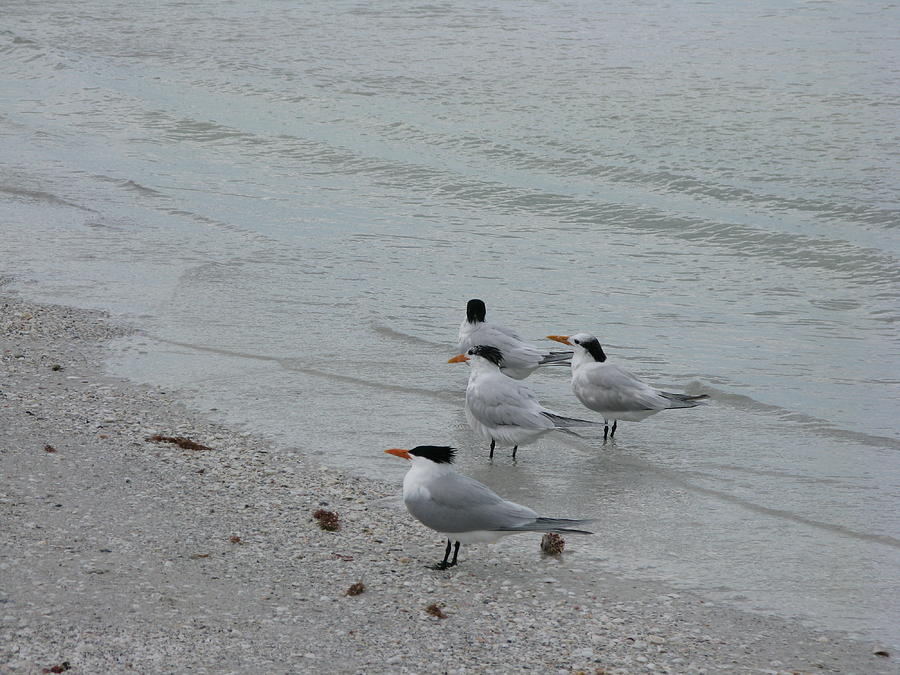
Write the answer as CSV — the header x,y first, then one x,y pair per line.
x,y
503,330
493,335
608,387
461,504
501,401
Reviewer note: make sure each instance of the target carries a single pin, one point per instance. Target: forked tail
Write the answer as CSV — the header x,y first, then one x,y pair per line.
x,y
561,421
683,400
556,359
556,525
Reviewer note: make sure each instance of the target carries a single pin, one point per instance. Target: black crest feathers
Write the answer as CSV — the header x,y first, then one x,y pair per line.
x,y
492,354
439,454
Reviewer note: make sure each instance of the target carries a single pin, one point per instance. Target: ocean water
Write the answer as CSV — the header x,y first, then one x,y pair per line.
x,y
294,201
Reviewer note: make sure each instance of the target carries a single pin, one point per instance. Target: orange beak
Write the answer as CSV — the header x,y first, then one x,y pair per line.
x,y
399,452
459,359
560,338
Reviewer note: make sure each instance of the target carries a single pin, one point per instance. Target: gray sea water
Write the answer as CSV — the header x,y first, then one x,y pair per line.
x,y
294,201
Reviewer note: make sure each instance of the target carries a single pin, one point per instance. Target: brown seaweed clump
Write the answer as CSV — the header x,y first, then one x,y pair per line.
x,y
180,441
552,544
435,610
356,588
328,520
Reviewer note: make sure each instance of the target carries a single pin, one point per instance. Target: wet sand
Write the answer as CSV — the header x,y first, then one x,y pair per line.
x,y
121,554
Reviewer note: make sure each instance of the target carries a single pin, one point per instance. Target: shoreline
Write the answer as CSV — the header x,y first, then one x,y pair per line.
x,y
121,554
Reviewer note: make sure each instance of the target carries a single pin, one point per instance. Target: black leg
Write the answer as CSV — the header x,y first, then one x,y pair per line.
x,y
443,564
515,447
613,432
605,429
493,442
455,553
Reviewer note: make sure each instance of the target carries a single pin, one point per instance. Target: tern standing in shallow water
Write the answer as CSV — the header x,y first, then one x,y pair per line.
x,y
461,508
612,391
520,358
504,410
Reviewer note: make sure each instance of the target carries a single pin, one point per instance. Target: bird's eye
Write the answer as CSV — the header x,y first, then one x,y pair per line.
x,y
577,342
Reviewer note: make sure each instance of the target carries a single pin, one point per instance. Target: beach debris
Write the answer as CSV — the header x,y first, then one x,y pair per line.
x,y
355,589
235,540
49,448
200,555
328,520
435,611
180,441
56,366
883,653
552,544
61,668
341,556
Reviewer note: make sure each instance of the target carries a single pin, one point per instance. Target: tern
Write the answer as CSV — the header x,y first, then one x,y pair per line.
x,y
504,410
521,358
612,391
461,508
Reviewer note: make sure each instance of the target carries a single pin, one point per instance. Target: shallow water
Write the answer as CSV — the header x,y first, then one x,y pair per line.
x,y
295,202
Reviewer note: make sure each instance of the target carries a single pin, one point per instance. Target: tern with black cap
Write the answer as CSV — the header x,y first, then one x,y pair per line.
x,y
461,508
613,391
521,358
504,410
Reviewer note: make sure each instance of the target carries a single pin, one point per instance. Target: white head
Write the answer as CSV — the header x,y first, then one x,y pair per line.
x,y
480,355
586,345
433,456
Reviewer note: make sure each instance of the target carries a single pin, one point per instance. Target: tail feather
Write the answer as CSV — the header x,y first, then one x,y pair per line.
x,y
556,358
557,525
561,421
683,400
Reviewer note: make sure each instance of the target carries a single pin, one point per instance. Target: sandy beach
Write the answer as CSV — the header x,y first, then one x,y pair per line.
x,y
121,554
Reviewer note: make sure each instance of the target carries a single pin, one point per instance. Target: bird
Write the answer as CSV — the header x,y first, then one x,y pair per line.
x,y
521,358
504,410
612,391
461,508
